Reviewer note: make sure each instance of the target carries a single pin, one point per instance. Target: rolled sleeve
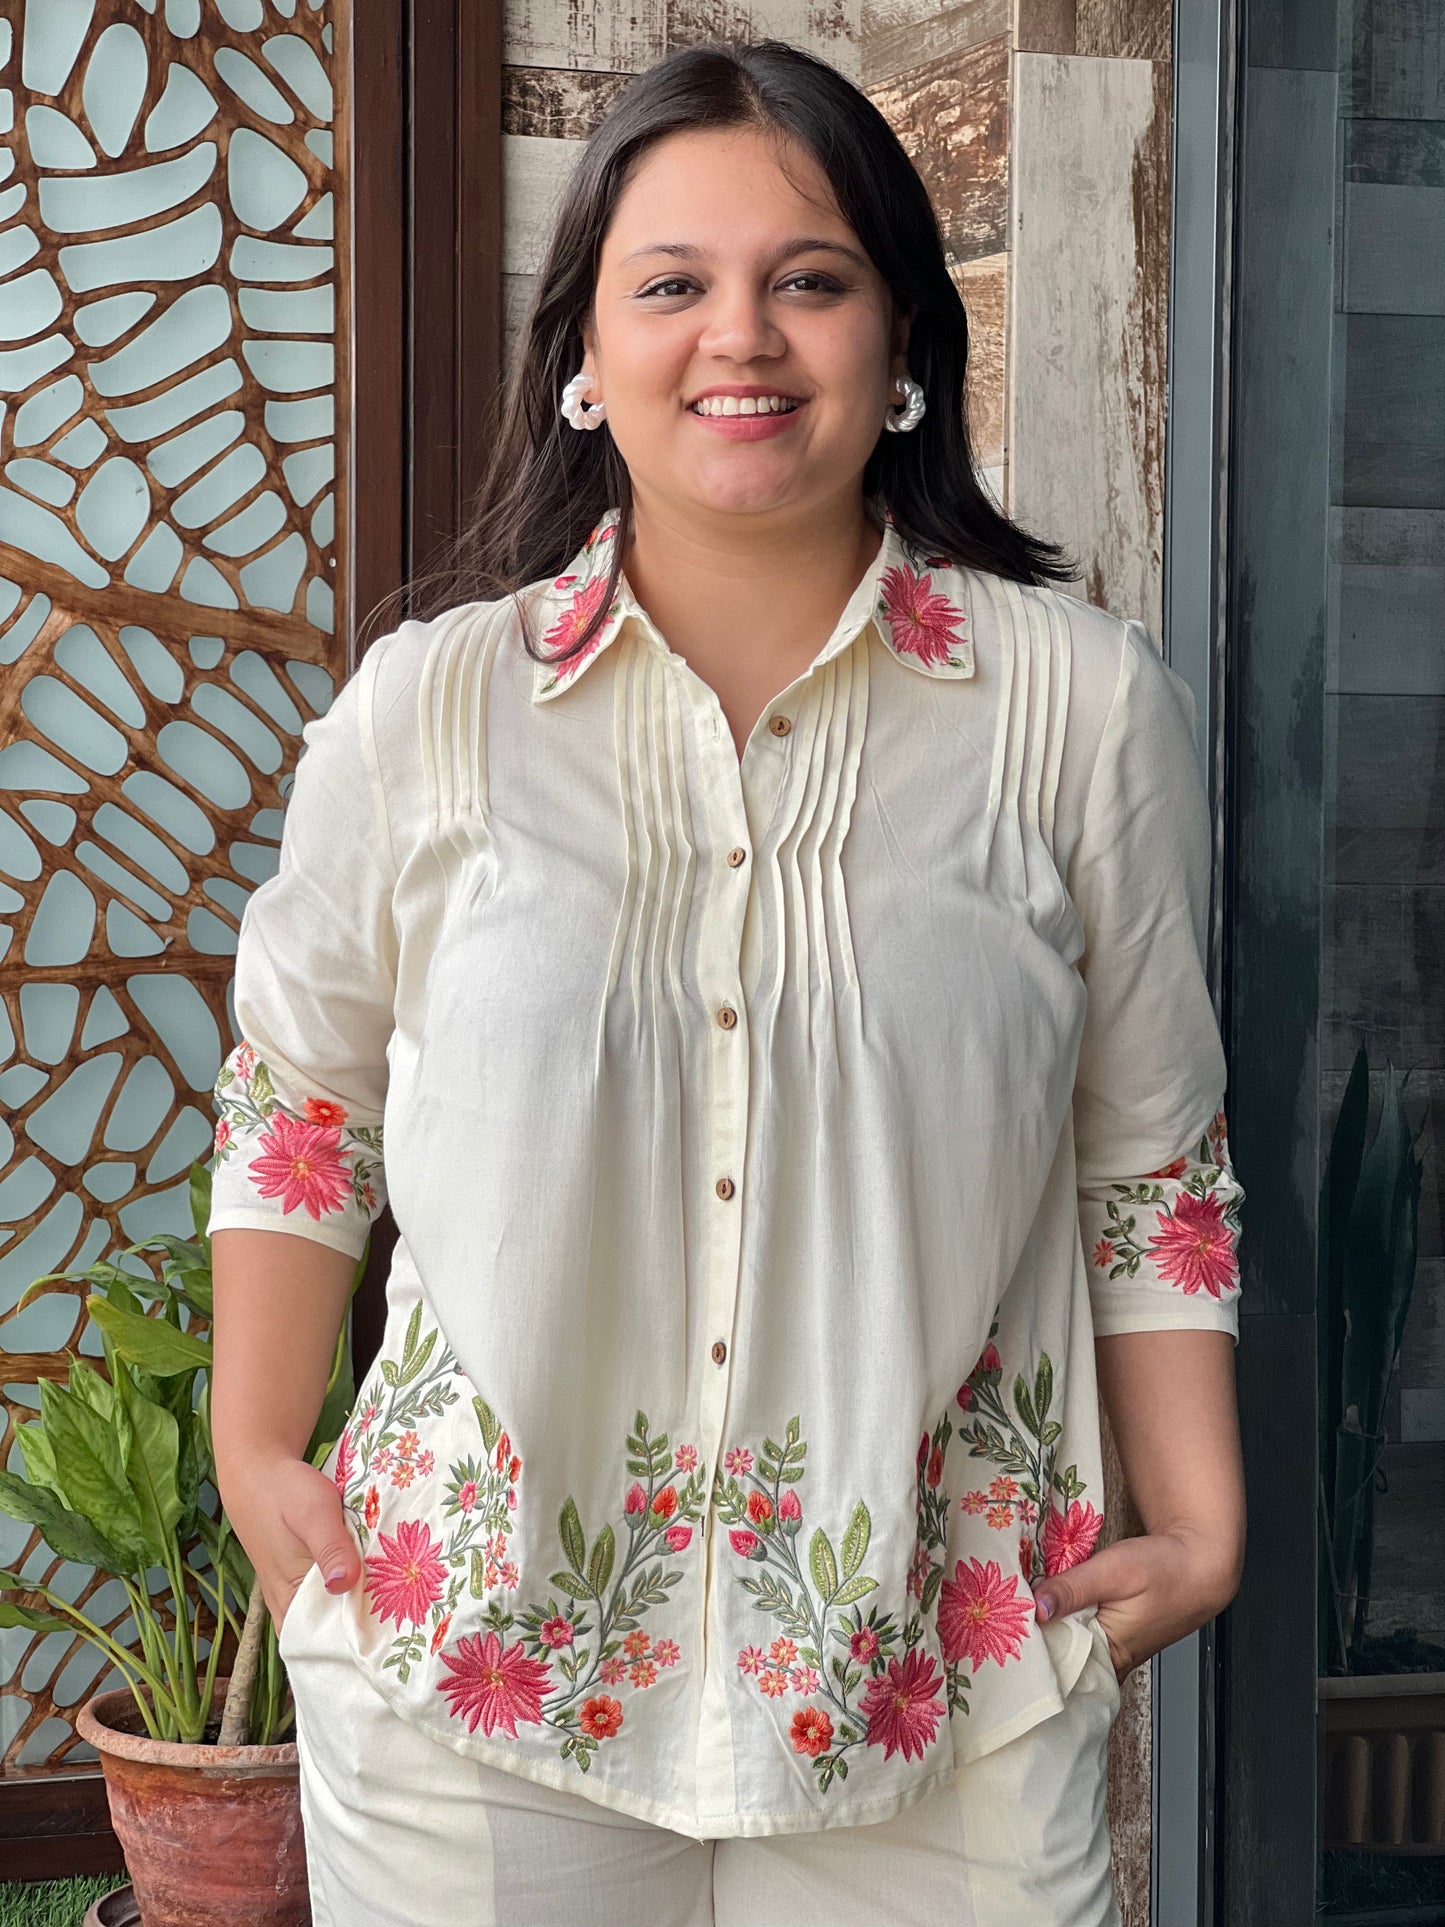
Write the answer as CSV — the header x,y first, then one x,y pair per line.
x,y
1159,1201
301,1097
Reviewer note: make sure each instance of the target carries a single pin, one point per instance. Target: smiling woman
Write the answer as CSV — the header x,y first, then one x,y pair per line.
x,y
770,935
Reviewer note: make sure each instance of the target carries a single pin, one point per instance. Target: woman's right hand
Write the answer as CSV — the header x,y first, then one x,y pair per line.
x,y
288,1515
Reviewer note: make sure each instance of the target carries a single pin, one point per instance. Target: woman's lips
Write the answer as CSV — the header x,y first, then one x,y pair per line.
x,y
747,428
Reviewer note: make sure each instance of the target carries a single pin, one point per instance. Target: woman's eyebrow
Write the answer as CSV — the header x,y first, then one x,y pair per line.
x,y
801,244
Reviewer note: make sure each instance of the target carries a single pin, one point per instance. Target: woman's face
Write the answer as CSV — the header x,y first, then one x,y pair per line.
x,y
723,276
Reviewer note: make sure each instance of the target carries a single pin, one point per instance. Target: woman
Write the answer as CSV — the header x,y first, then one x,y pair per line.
x,y
773,939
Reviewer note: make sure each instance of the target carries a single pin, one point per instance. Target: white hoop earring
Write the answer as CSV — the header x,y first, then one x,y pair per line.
x,y
579,413
913,410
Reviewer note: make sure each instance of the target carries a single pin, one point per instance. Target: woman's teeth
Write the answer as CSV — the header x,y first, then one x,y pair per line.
x,y
744,405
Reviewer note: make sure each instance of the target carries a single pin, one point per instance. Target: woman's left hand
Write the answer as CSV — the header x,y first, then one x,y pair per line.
x,y
1150,1591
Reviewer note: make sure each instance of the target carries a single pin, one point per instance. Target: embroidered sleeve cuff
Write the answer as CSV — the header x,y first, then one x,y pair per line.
x,y
288,1161
1162,1250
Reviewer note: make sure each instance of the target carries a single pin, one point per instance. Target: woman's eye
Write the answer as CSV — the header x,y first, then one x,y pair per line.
x,y
816,283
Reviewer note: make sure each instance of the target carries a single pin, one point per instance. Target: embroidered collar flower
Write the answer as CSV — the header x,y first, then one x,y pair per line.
x,y
920,608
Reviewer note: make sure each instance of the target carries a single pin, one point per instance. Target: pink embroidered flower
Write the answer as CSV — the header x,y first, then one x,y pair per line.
x,y
407,1577
1028,1512
366,1417
935,1467
511,1500
574,619
922,1458
320,1110
989,1360
636,1643
760,1508
372,1510
667,1652
773,1682
980,1615
223,1135
407,1444
244,1062
677,1538
974,1502
738,1462
494,1687
503,1452
811,1732
965,1395
1193,1246
345,1461
381,1458
1026,1555
863,1645
1103,1253
1003,1487
642,1672
635,1504
790,1506
601,1717
804,1679
742,1541
612,1671
556,1632
514,1467
425,1464
751,1659
684,1459
921,622
1000,1516
918,1570
1070,1537
510,1575
783,1651
301,1164
665,1503
402,1475
441,1632
902,1706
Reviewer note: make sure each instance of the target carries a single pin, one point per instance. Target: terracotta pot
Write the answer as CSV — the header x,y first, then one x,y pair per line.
x,y
211,1834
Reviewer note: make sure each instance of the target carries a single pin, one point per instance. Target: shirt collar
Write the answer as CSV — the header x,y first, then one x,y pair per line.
x,y
920,607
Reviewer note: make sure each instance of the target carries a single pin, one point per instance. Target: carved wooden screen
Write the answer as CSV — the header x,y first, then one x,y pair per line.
x,y
172,249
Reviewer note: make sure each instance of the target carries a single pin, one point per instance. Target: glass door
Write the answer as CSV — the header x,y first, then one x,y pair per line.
x,y
1332,1703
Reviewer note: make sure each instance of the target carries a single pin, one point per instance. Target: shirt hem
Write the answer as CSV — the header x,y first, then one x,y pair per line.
x,y
239,1218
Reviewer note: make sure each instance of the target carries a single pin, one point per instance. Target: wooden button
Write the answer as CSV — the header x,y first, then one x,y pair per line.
x,y
724,1187
719,1352
779,725
737,856
727,1016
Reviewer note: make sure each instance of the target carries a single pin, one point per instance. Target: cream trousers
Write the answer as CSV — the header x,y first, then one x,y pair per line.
x,y
403,1832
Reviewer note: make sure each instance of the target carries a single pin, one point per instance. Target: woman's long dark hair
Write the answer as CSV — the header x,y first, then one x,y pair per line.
x,y
545,487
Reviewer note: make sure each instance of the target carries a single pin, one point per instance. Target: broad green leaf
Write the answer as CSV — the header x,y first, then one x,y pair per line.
x,y
65,1532
151,1464
599,1567
823,1565
855,1539
489,1422
573,1586
416,1362
39,1459
856,1588
153,1343
90,1465
1043,1388
574,1542
200,1195
34,1619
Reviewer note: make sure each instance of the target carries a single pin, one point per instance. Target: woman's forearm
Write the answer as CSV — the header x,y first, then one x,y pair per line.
x,y
279,1302
1170,1397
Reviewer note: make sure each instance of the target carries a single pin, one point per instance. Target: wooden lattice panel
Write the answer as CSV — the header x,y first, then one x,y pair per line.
x,y
169,563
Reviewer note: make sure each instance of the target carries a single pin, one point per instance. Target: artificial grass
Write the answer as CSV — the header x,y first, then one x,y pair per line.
x,y
53,1903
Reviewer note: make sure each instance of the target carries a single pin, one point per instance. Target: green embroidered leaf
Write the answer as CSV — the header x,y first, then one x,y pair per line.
x,y
790,1474
639,1468
772,1451
931,1587
263,1091
487,1419
809,1655
767,1471
854,1589
1052,1432
847,1734
639,1425
1025,1406
855,1539
389,1371
478,1584
1043,1388
599,1568
842,1769
574,1542
574,1586
413,1367
823,1565
792,1430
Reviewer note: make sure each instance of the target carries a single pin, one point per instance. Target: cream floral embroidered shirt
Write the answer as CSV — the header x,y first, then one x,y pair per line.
x,y
768,1139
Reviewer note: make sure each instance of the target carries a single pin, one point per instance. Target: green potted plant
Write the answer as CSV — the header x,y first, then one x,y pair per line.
x,y
114,1467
